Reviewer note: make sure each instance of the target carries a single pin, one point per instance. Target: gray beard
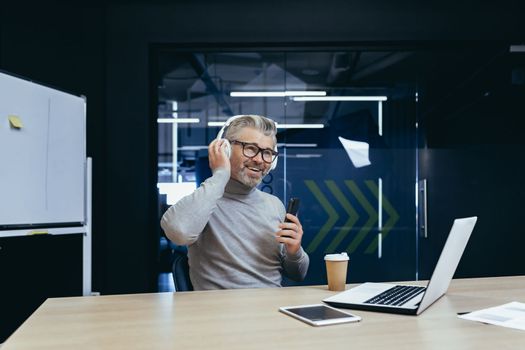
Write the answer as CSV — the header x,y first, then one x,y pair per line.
x,y
250,181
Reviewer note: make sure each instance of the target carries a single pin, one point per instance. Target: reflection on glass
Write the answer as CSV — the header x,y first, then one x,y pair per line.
x,y
346,138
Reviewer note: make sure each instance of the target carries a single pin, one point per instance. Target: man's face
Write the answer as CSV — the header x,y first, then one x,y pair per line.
x,y
250,171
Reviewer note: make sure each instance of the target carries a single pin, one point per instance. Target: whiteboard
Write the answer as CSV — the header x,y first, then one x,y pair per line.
x,y
42,164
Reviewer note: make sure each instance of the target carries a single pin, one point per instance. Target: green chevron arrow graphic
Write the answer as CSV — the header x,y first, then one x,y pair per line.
x,y
372,216
332,215
352,216
393,216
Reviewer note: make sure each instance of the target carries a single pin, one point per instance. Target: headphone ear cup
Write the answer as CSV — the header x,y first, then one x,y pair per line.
x,y
274,163
227,148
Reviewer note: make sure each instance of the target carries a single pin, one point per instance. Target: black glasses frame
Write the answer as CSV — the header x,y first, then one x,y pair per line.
x,y
263,151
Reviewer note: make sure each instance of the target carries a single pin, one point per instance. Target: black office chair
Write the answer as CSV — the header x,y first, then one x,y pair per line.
x,y
181,272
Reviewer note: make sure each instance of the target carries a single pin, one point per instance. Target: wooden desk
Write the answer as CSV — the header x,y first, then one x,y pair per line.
x,y
248,319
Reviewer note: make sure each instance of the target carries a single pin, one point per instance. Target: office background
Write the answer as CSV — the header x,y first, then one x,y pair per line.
x,y
104,51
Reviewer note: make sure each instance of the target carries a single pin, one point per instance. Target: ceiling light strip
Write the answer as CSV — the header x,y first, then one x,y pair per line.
x,y
219,124
517,48
276,93
178,120
279,126
297,145
193,148
300,126
339,98
305,93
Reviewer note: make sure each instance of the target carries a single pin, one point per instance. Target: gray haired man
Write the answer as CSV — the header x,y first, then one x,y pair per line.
x,y
235,233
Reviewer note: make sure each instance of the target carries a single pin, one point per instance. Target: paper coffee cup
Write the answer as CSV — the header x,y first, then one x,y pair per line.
x,y
336,268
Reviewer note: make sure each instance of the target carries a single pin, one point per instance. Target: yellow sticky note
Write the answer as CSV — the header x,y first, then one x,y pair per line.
x,y
38,232
15,121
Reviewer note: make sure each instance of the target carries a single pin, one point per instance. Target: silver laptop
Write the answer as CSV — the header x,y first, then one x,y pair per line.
x,y
411,300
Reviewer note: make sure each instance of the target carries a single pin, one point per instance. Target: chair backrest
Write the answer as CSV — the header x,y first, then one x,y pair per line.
x,y
181,272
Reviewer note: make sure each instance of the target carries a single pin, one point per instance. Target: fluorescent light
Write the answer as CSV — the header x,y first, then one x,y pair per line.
x,y
299,126
340,98
178,120
380,117
305,93
276,93
257,94
294,145
280,126
313,155
308,156
517,48
192,148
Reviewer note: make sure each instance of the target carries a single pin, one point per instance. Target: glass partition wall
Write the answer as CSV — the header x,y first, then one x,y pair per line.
x,y
347,140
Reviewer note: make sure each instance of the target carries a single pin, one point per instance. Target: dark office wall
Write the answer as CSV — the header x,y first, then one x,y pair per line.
x,y
63,45
102,51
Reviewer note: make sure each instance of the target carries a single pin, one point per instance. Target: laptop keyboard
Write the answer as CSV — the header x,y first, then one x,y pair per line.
x,y
396,296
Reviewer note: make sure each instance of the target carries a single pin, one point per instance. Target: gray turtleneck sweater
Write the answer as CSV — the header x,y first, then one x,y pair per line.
x,y
230,232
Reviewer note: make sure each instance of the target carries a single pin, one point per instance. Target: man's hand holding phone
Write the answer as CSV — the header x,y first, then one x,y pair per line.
x,y
291,231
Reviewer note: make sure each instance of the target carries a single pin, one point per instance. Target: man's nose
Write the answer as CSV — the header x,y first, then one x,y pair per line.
x,y
258,157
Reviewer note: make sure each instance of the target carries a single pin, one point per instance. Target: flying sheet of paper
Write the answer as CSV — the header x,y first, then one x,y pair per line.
x,y
511,315
357,151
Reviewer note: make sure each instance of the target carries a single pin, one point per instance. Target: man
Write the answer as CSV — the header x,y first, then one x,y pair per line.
x,y
235,233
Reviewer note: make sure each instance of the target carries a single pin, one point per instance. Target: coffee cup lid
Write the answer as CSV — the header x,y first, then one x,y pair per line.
x,y
336,257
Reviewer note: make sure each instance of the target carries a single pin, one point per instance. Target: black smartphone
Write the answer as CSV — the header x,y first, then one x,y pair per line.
x,y
293,207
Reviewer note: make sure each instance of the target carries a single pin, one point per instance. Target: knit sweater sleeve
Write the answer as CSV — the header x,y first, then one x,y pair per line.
x,y
184,221
295,266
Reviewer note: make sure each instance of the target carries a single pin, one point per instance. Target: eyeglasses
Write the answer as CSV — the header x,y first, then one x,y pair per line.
x,y
251,150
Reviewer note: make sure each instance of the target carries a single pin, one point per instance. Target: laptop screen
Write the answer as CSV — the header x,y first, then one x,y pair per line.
x,y
448,261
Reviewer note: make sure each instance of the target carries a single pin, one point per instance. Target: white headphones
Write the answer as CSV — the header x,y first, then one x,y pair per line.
x,y
227,146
